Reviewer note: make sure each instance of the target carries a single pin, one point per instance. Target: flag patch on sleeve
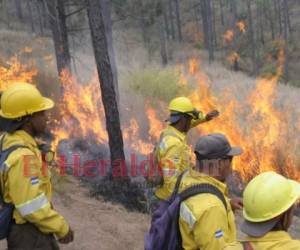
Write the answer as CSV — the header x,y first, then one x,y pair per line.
x,y
219,234
34,180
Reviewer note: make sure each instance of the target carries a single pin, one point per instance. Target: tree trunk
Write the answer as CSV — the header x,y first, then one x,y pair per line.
x,y
144,30
44,15
19,10
222,12
171,18
286,38
279,15
178,20
166,21
205,23
269,15
251,38
40,17
105,73
261,23
197,12
163,42
207,27
213,25
210,33
57,21
106,12
233,8
286,16
30,15
145,34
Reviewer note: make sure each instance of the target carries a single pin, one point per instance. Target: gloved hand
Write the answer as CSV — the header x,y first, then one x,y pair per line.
x,y
236,203
212,114
196,113
68,238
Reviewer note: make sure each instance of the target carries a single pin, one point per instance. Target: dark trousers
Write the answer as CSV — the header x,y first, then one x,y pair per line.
x,y
28,237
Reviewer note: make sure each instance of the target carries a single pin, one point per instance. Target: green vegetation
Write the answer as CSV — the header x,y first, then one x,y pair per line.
x,y
295,83
156,83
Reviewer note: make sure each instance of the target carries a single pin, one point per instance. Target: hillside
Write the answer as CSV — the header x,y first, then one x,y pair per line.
x,y
103,225
98,224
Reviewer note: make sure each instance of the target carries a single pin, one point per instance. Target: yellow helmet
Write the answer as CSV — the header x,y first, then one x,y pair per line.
x,y
21,99
269,195
182,105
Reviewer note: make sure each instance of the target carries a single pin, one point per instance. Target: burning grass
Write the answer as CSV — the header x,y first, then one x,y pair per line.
x,y
259,115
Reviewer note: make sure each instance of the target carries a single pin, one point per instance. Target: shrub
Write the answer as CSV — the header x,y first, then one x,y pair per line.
x,y
295,83
199,46
155,83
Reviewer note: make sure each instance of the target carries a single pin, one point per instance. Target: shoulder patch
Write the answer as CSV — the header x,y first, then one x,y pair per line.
x,y
219,234
34,180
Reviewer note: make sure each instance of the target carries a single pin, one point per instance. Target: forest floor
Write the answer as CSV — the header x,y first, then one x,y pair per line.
x,y
100,225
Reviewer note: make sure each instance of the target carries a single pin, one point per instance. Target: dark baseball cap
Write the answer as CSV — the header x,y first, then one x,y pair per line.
x,y
258,229
215,146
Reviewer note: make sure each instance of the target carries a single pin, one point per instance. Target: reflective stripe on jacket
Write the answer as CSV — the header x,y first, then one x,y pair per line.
x,y
28,186
204,221
277,240
173,156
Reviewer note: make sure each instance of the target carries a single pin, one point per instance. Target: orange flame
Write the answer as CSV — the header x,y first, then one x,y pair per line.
x,y
241,26
182,80
262,134
81,113
14,71
255,124
155,124
233,57
132,137
194,64
228,36
82,116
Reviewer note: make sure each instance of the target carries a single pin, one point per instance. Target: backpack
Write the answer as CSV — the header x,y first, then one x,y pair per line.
x,y
164,232
6,210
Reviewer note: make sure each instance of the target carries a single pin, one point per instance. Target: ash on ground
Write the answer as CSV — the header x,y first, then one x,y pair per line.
x,y
131,192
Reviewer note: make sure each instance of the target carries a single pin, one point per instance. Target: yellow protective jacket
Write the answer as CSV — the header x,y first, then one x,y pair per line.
x,y
277,240
173,155
204,221
28,186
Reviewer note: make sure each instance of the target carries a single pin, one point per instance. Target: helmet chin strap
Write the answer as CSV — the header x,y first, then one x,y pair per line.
x,y
14,125
187,126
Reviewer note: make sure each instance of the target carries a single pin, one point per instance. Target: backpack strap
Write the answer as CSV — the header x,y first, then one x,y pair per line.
x,y
178,182
2,142
203,188
247,245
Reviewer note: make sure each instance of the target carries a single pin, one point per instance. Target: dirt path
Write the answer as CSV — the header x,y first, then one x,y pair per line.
x,y
101,225
98,225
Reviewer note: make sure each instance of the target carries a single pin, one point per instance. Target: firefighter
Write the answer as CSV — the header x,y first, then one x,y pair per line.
x,y
206,220
172,152
269,203
23,182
